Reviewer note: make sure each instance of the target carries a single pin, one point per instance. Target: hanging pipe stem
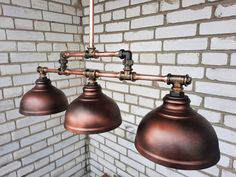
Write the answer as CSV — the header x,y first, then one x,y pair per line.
x,y
91,24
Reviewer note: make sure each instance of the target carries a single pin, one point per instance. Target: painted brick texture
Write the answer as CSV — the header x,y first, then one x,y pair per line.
x,y
32,33
177,36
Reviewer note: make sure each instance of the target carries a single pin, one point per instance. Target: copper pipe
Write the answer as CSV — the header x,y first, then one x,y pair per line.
x,y
150,77
106,54
91,24
73,54
107,74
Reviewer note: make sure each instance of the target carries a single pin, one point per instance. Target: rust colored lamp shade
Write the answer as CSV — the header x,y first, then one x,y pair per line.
x,y
92,112
174,135
43,99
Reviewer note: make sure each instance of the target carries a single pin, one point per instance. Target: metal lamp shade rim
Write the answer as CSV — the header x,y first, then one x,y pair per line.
x,y
41,113
90,130
172,163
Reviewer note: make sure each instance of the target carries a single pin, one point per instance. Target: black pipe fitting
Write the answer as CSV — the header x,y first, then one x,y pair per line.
x,y
125,54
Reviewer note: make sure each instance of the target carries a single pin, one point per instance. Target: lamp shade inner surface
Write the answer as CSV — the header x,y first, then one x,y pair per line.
x,y
43,99
92,112
174,135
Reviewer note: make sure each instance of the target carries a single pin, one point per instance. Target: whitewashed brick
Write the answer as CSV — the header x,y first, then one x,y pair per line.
x,y
30,121
147,69
232,60
25,35
218,27
117,26
214,58
139,35
10,167
188,58
35,138
146,46
185,44
3,57
71,29
6,105
5,81
195,72
183,15
24,24
58,27
37,127
224,161
21,12
226,173
133,12
6,46
22,153
229,120
169,5
147,21
147,58
39,4
111,37
146,102
211,116
9,148
225,10
29,67
225,134
220,104
118,14
216,88
186,3
25,170
69,10
20,133
106,17
132,163
56,17
7,127
216,74
26,46
176,31
168,58
25,3
42,26
55,7
223,43
117,46
27,57
41,47
152,93
10,69
117,87
115,4
228,149
59,37
43,170
12,92
2,35
6,22
65,143
150,8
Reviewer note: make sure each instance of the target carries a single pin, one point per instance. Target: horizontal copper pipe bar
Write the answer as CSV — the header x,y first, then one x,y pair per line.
x,y
106,54
150,77
109,74
93,55
73,54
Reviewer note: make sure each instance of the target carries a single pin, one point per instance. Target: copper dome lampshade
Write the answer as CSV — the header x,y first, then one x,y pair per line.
x,y
43,99
174,135
92,112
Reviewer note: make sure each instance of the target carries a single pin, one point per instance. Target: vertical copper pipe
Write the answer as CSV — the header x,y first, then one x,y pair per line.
x,y
91,24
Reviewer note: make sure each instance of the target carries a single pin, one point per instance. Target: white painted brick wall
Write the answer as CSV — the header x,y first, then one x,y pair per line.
x,y
27,143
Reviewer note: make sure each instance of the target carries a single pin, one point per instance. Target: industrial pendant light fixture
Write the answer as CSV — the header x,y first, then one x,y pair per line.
x,y
92,112
173,135
43,99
